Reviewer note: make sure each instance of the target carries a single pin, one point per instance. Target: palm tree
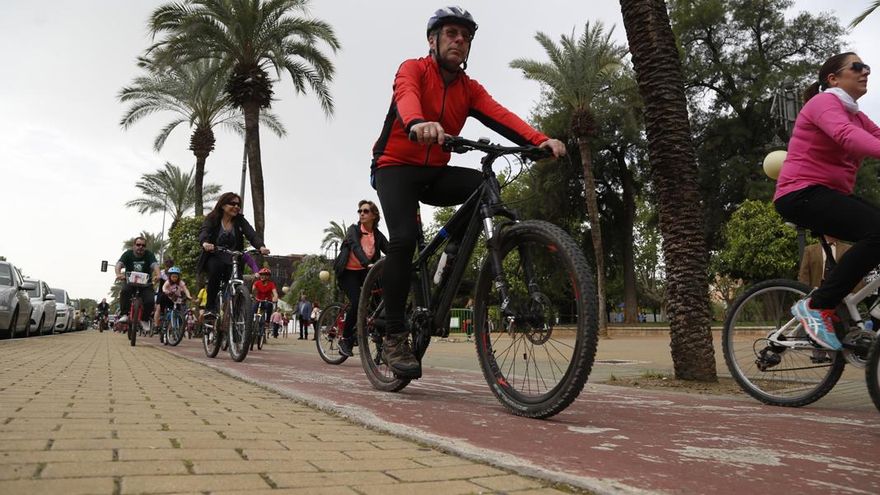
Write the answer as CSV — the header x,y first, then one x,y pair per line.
x,y
334,235
578,70
858,20
674,175
155,243
195,92
248,37
173,189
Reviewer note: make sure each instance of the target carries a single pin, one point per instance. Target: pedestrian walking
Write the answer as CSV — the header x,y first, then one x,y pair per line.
x,y
304,316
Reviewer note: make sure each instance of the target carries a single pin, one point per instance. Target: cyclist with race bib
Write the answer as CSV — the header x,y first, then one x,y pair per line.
x,y
432,97
831,137
265,292
137,259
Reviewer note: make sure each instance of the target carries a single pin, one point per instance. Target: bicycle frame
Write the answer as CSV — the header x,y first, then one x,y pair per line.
x,y
478,210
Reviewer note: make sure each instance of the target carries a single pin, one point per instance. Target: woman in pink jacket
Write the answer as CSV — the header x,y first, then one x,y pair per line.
x,y
831,137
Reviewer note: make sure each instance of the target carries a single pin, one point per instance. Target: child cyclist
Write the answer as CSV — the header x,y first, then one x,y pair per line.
x,y
265,293
175,291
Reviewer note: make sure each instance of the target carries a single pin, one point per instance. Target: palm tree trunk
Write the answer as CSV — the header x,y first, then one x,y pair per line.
x,y
674,174
630,297
595,228
255,163
199,182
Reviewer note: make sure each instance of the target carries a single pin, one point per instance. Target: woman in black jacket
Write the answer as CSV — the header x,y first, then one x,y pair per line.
x,y
225,226
360,249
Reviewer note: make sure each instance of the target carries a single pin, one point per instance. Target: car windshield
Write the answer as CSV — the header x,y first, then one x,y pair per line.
x,y
5,276
59,296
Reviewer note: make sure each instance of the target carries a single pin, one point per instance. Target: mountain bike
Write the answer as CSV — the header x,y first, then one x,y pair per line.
x,y
233,323
138,282
772,358
261,321
534,306
172,324
329,331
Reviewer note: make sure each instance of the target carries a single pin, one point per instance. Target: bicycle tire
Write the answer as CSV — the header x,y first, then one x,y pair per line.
x,y
371,333
211,336
174,334
759,311
872,373
555,370
134,320
240,322
328,333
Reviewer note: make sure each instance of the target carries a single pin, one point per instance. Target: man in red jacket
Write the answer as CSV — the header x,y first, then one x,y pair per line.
x,y
432,98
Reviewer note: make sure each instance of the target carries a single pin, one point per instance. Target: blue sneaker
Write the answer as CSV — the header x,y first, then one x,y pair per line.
x,y
819,324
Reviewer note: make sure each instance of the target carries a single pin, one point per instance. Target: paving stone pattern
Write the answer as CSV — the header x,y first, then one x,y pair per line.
x,y
86,413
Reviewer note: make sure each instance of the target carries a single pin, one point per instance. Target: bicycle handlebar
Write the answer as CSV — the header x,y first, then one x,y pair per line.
x,y
221,249
457,144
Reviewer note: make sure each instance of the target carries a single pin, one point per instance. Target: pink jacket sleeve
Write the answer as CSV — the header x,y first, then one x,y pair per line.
x,y
834,121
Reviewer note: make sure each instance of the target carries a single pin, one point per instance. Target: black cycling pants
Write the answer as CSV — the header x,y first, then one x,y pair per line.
x,y
848,218
218,271
146,299
351,282
400,190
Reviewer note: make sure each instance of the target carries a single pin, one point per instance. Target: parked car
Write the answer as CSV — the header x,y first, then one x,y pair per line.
x,y
15,304
43,302
64,311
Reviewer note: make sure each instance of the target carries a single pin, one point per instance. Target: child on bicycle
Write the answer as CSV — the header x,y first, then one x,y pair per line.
x,y
175,291
831,137
265,292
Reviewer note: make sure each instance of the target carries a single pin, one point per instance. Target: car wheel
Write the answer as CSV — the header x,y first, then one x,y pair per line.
x,y
10,334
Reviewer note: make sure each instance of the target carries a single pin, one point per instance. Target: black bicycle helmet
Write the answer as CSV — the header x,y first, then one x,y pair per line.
x,y
448,15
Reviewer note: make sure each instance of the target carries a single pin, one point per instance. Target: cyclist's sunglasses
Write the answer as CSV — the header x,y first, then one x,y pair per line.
x,y
140,245
859,67
235,204
365,211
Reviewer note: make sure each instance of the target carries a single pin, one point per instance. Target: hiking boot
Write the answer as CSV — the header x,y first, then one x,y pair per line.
x,y
345,346
400,357
819,324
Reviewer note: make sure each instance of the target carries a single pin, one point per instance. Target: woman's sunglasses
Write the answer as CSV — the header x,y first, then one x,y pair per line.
x,y
859,67
365,211
235,204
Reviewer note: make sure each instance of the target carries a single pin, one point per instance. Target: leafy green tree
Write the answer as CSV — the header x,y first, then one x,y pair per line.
x,y
247,37
306,281
758,245
195,93
173,189
184,248
578,70
674,178
736,54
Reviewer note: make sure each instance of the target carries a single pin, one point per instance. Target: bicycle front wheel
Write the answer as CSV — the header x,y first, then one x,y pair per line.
x,y
536,353
328,333
240,323
134,320
371,333
872,372
211,335
792,374
174,333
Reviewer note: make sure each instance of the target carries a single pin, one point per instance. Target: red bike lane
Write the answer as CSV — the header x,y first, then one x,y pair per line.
x,y
610,440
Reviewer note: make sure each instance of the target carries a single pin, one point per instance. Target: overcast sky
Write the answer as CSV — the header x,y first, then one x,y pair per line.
x,y
67,167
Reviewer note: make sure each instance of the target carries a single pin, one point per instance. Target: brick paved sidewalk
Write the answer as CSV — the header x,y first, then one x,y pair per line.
x,y
85,413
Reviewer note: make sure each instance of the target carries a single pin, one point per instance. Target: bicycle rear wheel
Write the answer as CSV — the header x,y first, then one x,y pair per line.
x,y
536,359
775,374
371,334
240,323
328,333
174,334
872,372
